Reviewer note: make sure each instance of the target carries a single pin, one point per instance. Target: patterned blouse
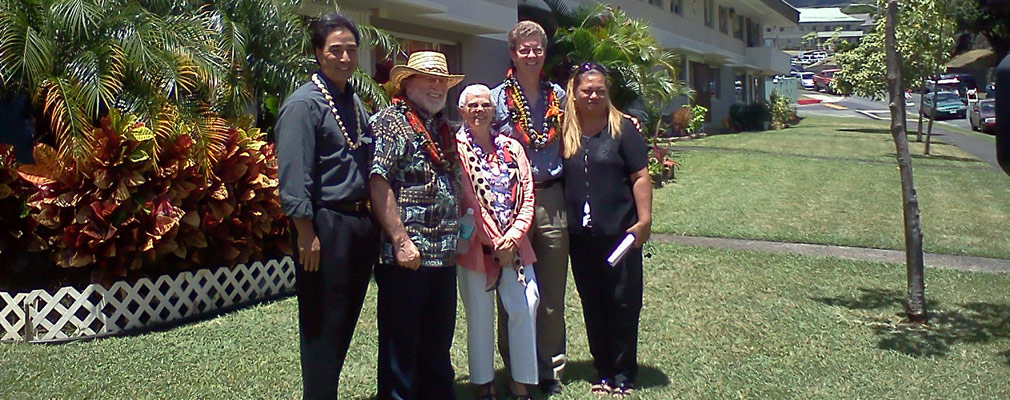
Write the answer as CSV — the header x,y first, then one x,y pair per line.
x,y
495,169
428,197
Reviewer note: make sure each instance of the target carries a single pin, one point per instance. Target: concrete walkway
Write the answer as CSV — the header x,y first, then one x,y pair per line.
x,y
962,263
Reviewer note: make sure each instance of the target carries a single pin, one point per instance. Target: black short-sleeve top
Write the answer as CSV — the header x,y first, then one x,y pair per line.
x,y
599,173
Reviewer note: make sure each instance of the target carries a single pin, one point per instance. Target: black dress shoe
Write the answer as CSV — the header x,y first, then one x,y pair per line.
x,y
550,386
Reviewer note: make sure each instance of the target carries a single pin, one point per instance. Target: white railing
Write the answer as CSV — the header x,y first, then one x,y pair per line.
x,y
41,316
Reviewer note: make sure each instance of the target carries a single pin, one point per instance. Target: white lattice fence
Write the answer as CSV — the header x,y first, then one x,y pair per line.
x,y
99,311
12,316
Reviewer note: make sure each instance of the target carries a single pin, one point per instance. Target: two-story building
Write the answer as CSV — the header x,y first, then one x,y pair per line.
x,y
725,57
817,25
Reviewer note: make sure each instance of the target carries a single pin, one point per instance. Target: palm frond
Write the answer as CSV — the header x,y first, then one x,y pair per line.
x,y
370,91
381,39
68,121
210,136
78,18
26,52
564,14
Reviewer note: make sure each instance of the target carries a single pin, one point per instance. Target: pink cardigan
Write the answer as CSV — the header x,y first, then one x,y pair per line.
x,y
486,231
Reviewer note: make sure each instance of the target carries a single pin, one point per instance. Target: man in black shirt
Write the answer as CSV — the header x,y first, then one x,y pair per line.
x,y
324,152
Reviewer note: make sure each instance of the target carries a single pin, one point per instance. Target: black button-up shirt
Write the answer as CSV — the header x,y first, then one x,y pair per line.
x,y
599,173
315,166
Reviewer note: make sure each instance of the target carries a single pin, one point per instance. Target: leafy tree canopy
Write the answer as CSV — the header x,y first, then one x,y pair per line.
x,y
924,37
990,18
641,71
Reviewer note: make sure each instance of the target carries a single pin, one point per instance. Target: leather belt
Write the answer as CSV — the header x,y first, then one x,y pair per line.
x,y
359,206
546,184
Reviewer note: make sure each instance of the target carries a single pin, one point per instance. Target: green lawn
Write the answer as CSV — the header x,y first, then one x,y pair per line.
x,y
717,324
833,181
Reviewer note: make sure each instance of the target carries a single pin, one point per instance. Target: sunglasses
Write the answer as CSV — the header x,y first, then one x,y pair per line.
x,y
589,66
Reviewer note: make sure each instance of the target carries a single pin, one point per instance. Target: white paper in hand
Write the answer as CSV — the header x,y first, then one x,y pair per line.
x,y
621,250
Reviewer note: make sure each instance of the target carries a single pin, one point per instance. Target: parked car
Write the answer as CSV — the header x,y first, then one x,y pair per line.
x,y
959,83
948,105
822,81
807,80
982,116
820,54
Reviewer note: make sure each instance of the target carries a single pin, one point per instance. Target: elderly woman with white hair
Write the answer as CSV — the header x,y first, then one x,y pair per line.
x,y
497,185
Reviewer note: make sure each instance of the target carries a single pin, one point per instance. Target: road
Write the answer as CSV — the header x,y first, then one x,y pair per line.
x,y
858,107
851,106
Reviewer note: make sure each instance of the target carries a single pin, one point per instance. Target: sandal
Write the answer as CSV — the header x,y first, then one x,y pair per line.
x,y
524,396
486,392
623,390
602,387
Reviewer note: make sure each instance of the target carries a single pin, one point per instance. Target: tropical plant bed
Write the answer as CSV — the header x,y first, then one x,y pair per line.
x,y
48,316
139,201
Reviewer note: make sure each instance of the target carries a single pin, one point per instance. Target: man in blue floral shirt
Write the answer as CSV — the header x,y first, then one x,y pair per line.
x,y
414,186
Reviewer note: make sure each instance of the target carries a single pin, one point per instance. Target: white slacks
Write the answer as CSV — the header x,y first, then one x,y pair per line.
x,y
521,305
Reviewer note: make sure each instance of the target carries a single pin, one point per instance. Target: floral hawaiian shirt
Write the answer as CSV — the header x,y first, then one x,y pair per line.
x,y
428,197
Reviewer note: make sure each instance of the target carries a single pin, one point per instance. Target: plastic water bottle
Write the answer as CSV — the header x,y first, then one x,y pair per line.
x,y
466,225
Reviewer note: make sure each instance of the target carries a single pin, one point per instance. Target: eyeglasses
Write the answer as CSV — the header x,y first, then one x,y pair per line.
x,y
589,66
474,106
525,51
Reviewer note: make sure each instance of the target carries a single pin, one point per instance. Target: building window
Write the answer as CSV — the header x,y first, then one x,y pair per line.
x,y
710,13
723,19
737,26
677,7
782,29
657,3
754,35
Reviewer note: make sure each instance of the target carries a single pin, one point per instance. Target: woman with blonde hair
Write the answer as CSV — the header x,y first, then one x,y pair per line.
x,y
608,196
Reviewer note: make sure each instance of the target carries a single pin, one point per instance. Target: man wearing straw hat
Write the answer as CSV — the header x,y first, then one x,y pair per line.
x,y
414,186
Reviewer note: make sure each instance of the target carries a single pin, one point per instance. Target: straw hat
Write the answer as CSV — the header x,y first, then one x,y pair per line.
x,y
431,63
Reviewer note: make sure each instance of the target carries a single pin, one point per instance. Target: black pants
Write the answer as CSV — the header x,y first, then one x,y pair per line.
x,y
329,300
611,303
417,318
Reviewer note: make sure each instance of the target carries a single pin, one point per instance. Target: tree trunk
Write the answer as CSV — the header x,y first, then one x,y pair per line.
x,y
915,306
932,116
922,96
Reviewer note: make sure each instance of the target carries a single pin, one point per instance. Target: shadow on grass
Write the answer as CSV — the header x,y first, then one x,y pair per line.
x,y
581,373
970,323
882,131
463,388
947,158
578,376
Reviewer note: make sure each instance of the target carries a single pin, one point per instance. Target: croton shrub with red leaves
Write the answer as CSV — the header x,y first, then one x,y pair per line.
x,y
142,200
20,234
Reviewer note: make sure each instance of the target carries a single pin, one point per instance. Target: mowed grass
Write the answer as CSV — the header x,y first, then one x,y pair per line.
x,y
833,181
717,324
